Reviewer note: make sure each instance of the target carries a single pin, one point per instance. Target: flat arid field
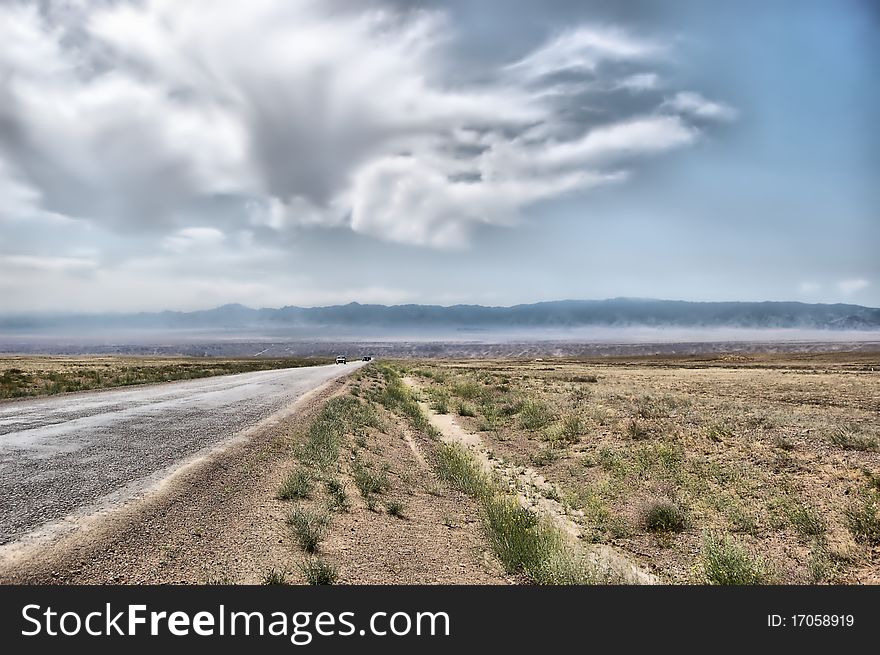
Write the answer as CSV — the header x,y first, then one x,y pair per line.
x,y
749,469
721,469
35,375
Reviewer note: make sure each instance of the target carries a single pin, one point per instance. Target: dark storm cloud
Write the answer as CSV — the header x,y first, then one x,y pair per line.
x,y
132,114
515,150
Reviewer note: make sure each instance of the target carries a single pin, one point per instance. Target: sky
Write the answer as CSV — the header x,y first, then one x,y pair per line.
x,y
165,155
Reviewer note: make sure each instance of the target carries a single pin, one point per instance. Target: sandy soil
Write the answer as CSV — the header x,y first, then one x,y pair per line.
x,y
538,495
747,446
66,457
773,451
438,539
219,521
213,521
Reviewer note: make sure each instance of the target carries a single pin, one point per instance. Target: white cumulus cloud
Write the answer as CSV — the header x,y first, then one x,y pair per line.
x,y
169,117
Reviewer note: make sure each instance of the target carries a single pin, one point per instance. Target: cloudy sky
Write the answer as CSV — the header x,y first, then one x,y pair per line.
x,y
162,154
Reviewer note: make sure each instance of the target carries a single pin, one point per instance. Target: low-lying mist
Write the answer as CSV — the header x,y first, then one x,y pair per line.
x,y
569,326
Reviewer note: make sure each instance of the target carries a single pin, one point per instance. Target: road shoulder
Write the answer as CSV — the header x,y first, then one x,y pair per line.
x,y
213,520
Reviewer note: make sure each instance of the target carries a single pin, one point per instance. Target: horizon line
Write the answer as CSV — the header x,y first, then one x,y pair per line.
x,y
75,312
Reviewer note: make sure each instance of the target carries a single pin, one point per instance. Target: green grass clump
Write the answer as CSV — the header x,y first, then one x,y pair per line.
x,y
573,426
821,565
441,403
275,576
395,508
518,539
337,497
863,518
719,431
297,485
512,408
466,409
727,563
491,420
562,566
528,545
455,465
664,516
318,571
648,407
546,455
309,529
396,397
523,543
369,481
468,390
808,523
339,416
534,415
438,376
853,438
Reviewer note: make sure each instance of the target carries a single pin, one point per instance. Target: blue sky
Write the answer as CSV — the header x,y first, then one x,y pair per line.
x,y
154,156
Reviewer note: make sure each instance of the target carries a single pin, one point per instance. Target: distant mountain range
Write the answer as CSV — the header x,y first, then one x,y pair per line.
x,y
617,312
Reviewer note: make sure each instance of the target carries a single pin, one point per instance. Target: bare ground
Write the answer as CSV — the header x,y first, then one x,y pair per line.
x,y
219,521
436,540
536,494
773,452
749,447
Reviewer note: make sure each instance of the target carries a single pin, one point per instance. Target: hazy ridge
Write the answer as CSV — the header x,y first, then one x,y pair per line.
x,y
615,312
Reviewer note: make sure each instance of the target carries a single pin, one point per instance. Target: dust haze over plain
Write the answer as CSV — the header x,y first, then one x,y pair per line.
x,y
185,156
565,327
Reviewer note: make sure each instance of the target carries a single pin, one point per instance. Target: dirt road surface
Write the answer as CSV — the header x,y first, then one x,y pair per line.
x,y
64,458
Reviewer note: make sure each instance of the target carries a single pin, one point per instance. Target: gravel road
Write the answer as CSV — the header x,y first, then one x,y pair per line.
x,y
76,454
